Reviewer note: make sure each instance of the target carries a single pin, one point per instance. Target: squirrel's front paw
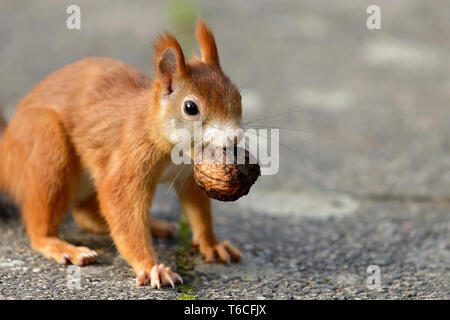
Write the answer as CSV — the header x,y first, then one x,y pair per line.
x,y
157,275
224,250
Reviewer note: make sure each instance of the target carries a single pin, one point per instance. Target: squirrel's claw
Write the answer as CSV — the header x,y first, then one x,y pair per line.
x,y
224,250
160,275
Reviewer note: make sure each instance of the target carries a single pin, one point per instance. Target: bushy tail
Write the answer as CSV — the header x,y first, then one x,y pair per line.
x,y
3,122
2,125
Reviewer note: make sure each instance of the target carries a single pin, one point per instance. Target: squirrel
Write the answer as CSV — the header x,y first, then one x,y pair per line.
x,y
95,136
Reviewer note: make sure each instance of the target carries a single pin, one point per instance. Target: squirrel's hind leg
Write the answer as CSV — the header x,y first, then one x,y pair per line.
x,y
41,152
162,229
88,216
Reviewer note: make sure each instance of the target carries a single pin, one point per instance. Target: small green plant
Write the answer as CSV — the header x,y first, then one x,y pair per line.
x,y
184,296
185,263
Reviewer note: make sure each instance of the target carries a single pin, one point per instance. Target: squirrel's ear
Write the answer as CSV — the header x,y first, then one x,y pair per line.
x,y
207,44
169,60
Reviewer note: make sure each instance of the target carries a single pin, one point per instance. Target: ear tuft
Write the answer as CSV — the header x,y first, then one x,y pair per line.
x,y
207,44
167,66
169,59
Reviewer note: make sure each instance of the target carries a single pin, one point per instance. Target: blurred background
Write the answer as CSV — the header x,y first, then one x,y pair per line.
x,y
364,173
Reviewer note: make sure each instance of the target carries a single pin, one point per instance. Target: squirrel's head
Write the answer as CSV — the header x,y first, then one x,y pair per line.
x,y
196,93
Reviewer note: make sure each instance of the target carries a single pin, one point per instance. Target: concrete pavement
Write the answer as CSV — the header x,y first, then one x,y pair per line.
x,y
364,169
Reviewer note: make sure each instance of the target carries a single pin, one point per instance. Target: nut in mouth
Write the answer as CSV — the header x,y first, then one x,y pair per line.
x,y
219,173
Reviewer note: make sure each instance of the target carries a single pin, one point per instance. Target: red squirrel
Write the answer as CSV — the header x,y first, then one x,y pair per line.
x,y
96,136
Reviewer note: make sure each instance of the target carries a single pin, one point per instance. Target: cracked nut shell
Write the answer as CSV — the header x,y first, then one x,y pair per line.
x,y
225,181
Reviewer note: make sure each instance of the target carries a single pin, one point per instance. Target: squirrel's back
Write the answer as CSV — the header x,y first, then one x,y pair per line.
x,y
85,82
92,100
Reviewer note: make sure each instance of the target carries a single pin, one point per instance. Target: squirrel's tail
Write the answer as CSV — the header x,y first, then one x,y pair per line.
x,y
3,125
3,122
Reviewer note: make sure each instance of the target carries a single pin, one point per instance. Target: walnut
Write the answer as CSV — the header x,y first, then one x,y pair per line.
x,y
219,173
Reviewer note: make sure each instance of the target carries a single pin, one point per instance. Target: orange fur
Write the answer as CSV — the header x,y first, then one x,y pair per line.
x,y
96,134
165,42
207,43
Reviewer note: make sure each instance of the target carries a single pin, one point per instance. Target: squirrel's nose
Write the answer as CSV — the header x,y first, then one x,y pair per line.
x,y
235,136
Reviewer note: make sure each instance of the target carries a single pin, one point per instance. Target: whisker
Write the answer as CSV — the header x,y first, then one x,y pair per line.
x,y
294,133
181,170
277,141
292,151
272,116
174,179
280,128
183,181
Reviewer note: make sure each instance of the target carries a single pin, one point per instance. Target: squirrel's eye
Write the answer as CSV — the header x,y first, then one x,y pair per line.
x,y
190,108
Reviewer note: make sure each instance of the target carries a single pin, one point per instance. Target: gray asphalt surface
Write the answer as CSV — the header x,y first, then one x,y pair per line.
x,y
364,173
